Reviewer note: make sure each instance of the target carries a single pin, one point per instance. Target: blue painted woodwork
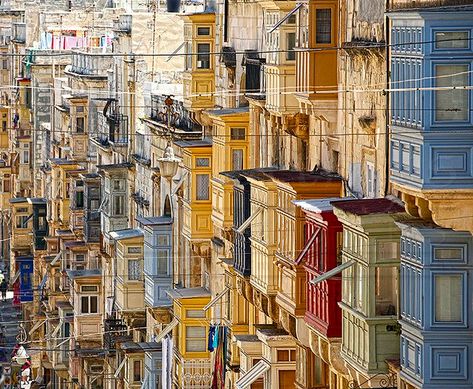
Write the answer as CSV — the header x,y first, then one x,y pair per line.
x,y
25,266
427,153
153,369
158,260
241,212
436,353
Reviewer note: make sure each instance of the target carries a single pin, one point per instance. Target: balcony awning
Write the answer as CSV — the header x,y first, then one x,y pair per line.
x,y
288,15
119,368
332,273
307,246
56,330
166,330
248,221
175,51
252,375
144,385
103,204
216,298
36,326
25,222
43,282
56,258
16,277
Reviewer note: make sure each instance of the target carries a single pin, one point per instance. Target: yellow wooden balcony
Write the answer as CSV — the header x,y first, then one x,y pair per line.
x,y
198,77
296,185
197,204
316,70
129,280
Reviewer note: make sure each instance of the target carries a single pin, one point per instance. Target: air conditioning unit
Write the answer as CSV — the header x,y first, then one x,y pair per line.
x,y
200,64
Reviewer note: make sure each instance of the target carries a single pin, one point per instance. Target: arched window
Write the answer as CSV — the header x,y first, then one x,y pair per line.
x,y
167,207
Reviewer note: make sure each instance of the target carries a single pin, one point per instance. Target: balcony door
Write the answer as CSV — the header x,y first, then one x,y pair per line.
x,y
287,378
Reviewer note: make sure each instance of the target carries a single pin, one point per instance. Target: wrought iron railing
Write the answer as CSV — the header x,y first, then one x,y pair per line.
x,y
380,380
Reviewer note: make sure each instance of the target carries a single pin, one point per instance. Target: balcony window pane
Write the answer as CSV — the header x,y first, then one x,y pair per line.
x,y
448,298
290,44
202,186
134,270
195,339
386,284
448,254
84,304
93,304
323,31
237,159
237,133
452,104
119,205
203,56
136,371
162,261
451,40
80,125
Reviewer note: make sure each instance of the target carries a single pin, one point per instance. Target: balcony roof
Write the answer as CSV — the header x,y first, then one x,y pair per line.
x,y
186,293
222,113
88,273
303,176
18,200
153,221
432,8
362,207
64,305
90,176
140,347
37,200
257,173
320,205
90,352
193,143
128,233
123,165
62,161
73,244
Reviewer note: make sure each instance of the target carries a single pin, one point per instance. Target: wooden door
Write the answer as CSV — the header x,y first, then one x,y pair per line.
x,y
287,379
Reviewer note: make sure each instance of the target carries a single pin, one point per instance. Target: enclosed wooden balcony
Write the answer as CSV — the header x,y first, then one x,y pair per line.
x,y
316,54
322,253
291,186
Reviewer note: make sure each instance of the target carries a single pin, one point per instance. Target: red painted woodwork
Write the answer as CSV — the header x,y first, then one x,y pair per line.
x,y
323,312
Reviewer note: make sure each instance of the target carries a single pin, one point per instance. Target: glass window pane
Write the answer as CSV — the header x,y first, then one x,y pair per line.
x,y
291,43
202,186
134,270
451,40
195,331
84,304
448,298
323,33
450,253
195,314
386,285
237,159
162,261
195,345
452,104
93,304
203,56
237,133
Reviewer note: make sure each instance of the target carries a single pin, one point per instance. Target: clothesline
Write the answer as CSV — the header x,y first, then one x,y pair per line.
x,y
52,41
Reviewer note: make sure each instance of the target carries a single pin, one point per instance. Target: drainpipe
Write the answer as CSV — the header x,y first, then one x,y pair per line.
x,y
388,111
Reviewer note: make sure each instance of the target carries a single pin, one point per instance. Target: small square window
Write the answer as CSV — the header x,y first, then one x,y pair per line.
x,y
202,162
203,30
237,133
451,40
